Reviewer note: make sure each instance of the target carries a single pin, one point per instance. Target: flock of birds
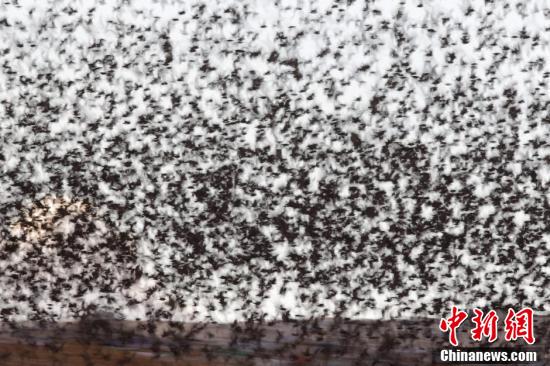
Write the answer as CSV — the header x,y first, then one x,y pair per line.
x,y
253,160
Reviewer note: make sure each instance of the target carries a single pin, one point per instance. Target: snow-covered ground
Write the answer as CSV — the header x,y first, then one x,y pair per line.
x,y
220,160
